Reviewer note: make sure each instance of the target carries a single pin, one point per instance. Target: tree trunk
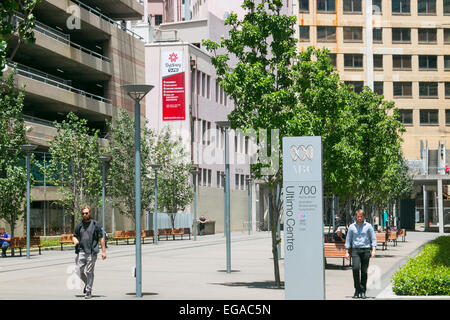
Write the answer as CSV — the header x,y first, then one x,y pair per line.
x,y
273,216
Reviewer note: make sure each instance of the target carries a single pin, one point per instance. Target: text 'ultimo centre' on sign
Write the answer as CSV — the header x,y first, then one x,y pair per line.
x,y
303,222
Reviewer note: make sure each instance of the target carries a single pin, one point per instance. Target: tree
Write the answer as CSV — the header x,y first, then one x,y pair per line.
x,y
12,136
174,187
121,173
261,85
74,166
11,26
273,87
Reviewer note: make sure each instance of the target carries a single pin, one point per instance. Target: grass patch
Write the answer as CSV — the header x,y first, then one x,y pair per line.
x,y
428,273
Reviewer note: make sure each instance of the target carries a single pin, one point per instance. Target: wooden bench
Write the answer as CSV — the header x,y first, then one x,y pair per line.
x,y
21,242
125,235
147,234
188,232
66,238
165,232
174,232
335,250
401,233
392,236
381,239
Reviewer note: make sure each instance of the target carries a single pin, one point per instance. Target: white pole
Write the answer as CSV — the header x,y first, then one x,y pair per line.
x,y
369,45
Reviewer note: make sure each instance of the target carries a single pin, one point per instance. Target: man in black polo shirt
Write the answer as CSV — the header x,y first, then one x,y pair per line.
x,y
87,236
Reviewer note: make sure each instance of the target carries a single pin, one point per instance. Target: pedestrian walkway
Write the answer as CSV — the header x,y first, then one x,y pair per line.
x,y
188,270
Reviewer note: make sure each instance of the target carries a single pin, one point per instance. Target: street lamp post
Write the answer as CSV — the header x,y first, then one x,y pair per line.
x,y
226,126
156,167
104,159
249,206
194,173
137,92
28,148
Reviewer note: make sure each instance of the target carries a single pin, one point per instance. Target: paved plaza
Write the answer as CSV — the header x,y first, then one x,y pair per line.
x,y
190,270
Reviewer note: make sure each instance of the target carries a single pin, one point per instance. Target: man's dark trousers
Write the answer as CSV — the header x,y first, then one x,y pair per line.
x,y
360,264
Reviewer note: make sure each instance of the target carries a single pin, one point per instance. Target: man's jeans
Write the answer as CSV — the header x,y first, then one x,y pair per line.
x,y
360,264
85,268
5,246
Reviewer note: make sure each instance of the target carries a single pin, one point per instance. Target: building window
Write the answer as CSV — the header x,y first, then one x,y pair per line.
x,y
158,19
304,5
236,181
447,36
426,6
304,33
447,89
378,61
447,117
378,87
427,62
401,35
428,89
446,62
401,6
403,89
377,35
352,34
333,59
427,36
446,6
405,116
356,86
203,84
326,33
429,116
352,6
208,87
326,5
401,62
377,7
353,60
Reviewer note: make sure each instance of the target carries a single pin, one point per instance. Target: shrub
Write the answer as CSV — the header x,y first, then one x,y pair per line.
x,y
426,274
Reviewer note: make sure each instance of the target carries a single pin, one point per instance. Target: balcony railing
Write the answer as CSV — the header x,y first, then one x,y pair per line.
x,y
64,38
101,15
52,80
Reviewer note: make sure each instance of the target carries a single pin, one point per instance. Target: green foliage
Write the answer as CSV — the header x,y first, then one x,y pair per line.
x,y
10,25
122,166
174,186
428,273
12,136
74,166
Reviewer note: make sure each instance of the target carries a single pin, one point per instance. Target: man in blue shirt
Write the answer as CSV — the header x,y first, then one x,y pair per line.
x,y
363,243
5,239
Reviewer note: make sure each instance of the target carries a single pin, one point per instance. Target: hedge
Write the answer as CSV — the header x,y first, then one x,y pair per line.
x,y
428,273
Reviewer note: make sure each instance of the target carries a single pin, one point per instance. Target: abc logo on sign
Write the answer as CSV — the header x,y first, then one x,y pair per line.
x,y
302,153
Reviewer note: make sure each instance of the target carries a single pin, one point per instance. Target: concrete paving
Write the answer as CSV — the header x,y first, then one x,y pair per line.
x,y
190,270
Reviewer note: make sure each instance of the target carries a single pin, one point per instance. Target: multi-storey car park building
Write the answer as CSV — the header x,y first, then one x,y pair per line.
x,y
411,63
82,55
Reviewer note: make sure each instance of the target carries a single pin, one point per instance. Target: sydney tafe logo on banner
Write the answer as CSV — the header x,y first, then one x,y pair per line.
x,y
302,153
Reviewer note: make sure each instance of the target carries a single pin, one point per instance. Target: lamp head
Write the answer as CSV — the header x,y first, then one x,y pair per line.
x,y
224,124
104,158
28,147
155,166
194,172
137,91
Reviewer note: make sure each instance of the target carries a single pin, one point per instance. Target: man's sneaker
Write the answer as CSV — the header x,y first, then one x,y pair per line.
x,y
84,290
356,294
88,295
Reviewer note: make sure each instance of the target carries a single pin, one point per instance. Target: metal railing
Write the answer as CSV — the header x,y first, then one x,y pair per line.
x,y
64,38
38,121
52,80
101,15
